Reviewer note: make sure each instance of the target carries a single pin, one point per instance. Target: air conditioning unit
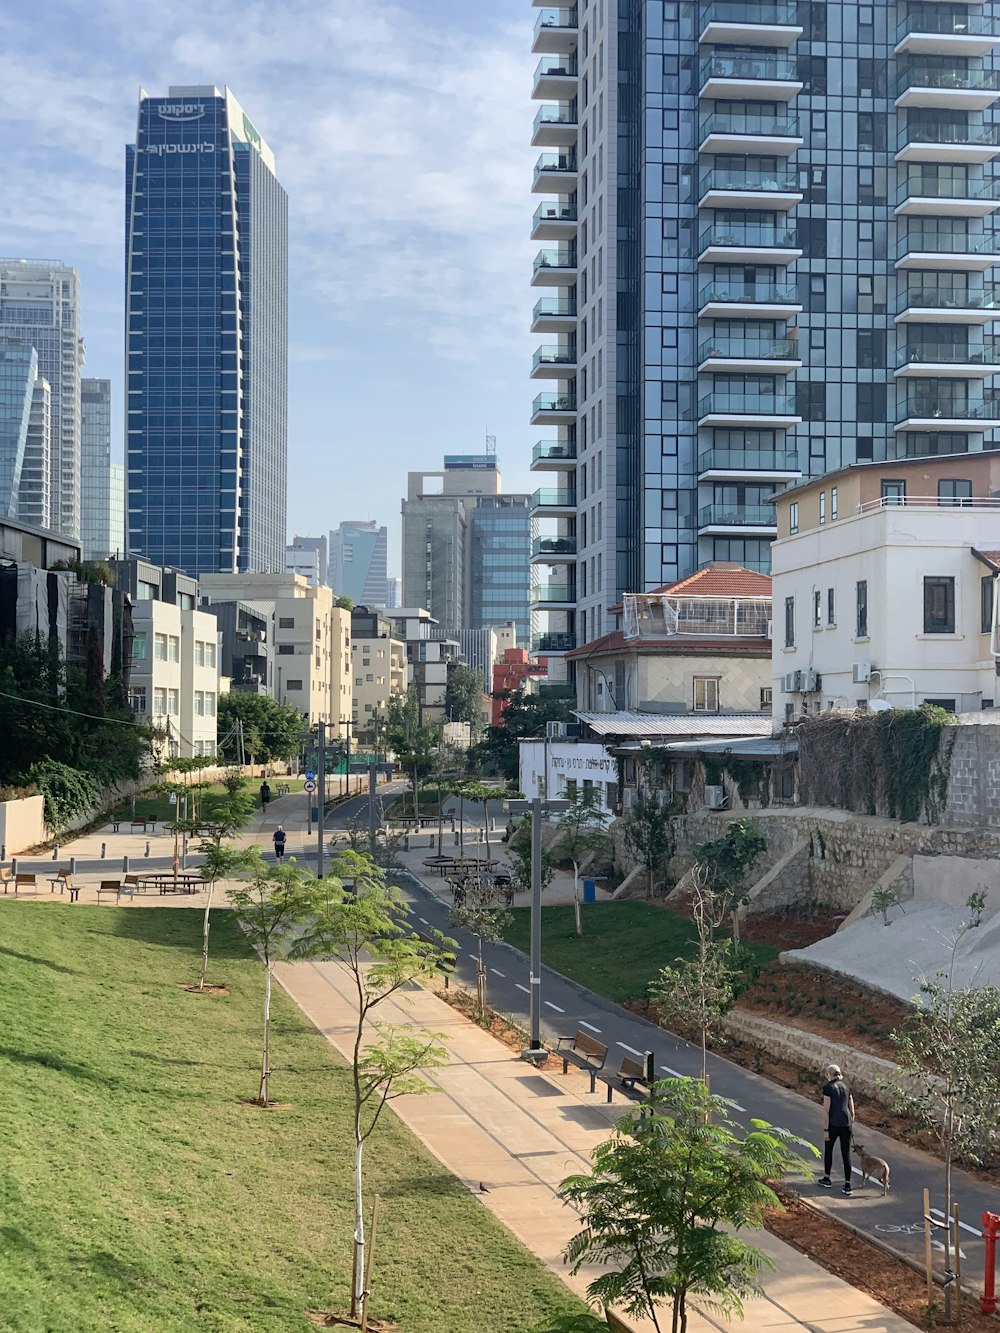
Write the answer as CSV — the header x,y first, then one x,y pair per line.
x,y
862,672
555,731
810,682
790,682
628,798
715,798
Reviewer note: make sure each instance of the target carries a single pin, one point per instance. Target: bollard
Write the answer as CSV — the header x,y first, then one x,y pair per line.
x,y
456,839
3,851
55,852
104,850
988,1300
146,852
125,864
13,865
406,842
72,865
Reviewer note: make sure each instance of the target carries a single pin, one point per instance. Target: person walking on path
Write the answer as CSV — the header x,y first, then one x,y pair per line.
x,y
838,1119
265,794
279,842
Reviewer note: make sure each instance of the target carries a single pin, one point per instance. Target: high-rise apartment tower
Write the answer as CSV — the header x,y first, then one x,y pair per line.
x,y
357,562
101,527
207,337
767,242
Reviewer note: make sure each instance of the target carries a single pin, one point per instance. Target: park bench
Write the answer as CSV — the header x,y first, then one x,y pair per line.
x,y
59,880
25,880
633,1077
584,1051
146,825
116,887
6,877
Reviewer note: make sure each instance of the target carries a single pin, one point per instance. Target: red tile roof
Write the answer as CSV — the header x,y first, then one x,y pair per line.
x,y
717,580
723,646
989,558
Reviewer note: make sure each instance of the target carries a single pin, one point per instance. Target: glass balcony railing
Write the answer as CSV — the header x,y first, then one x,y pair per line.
x,y
771,16
947,354
976,136
553,643
561,499
932,76
780,69
757,293
736,516
554,212
743,122
554,546
761,235
749,349
945,24
918,186
553,592
948,298
555,402
554,308
555,259
772,182
726,402
557,67
561,113
554,451
563,163
749,460
553,356
917,241
947,409
555,18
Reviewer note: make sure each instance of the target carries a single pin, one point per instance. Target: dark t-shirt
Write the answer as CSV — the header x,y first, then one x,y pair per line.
x,y
279,839
840,1103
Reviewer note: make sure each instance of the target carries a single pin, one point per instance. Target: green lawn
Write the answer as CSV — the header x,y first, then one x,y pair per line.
x,y
137,1193
157,805
624,944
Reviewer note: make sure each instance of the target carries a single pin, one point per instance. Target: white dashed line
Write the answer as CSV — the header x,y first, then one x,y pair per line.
x,y
936,1212
589,1026
554,1006
497,973
520,987
630,1049
672,1072
474,957
423,920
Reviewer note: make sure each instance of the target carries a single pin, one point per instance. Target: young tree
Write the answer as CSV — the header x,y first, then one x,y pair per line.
x,y
519,855
524,717
272,902
367,929
478,914
667,1193
463,698
649,834
222,818
270,730
583,829
481,793
727,861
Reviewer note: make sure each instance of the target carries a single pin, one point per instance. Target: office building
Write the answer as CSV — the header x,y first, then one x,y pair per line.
x,y
500,563
357,562
766,244
101,527
34,503
303,561
207,337
40,304
394,590
18,372
301,547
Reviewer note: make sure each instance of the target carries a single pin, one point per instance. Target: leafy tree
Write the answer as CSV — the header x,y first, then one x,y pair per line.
x,y
666,1198
271,730
649,834
583,836
368,931
463,696
344,602
481,793
477,913
519,855
524,718
416,755
272,902
727,861
222,818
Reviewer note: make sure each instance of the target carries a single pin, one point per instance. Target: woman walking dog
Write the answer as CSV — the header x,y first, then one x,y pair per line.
x,y
838,1120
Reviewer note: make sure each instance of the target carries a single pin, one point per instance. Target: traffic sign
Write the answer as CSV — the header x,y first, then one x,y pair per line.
x,y
310,775
310,787
172,799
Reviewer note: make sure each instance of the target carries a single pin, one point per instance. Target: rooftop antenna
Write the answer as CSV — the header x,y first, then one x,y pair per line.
x,y
491,444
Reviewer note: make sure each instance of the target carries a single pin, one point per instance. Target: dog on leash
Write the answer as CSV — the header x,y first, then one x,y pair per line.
x,y
876,1167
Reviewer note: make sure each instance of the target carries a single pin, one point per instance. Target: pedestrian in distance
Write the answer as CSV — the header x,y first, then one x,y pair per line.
x,y
265,794
838,1121
279,842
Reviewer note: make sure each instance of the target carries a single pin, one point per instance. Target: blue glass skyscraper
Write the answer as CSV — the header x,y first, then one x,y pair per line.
x,y
206,337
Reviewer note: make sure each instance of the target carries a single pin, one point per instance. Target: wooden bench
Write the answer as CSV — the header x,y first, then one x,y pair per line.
x,y
6,877
633,1077
116,887
585,1051
60,880
25,880
147,825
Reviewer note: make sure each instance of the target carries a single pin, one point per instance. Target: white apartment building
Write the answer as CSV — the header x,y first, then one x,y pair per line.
x,y
884,586
174,680
380,674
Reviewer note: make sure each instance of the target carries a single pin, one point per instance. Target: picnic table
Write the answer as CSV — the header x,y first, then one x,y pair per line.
x,y
186,881
441,864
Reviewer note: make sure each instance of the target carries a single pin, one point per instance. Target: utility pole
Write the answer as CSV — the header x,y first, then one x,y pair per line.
x,y
372,787
321,805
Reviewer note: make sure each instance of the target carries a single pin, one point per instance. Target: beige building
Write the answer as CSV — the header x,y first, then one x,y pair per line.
x,y
311,638
379,668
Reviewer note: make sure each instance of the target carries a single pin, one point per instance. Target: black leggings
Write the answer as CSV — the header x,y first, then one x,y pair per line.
x,y
843,1133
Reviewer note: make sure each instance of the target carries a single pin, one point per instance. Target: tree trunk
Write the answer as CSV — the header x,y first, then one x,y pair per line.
x,y
416,798
486,817
461,825
265,1059
576,899
481,977
359,1231
206,927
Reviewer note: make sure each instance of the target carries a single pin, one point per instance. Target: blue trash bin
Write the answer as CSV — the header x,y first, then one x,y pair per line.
x,y
590,891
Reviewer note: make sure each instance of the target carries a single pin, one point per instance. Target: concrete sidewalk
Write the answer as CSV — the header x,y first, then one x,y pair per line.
x,y
499,1123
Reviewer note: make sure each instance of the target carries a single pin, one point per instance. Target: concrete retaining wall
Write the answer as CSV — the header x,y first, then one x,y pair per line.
x,y
22,824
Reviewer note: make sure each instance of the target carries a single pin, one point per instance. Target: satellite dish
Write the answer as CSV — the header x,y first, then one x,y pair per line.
x,y
879,706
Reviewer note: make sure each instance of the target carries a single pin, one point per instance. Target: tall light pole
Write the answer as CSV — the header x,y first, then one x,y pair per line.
x,y
537,807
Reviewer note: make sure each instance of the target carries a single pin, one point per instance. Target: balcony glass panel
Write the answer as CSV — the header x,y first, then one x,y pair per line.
x,y
555,259
553,212
542,546
554,356
559,114
725,178
557,67
736,516
950,187
761,234
553,592
556,162
981,136
725,11
744,122
559,499
554,449
555,402
554,308
780,68
555,18
762,293
930,76
947,298
758,349
948,354
941,22
925,405
749,460
553,643
739,403
917,241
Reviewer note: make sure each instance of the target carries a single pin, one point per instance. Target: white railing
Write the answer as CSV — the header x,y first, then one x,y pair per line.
x,y
929,502
656,616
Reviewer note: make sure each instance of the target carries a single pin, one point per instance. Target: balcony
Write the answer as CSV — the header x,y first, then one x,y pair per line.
x,y
920,249
553,455
722,187
949,143
550,644
728,24
555,78
779,464
553,363
556,409
553,551
554,221
927,196
748,243
947,305
778,356
554,596
554,315
748,300
555,126
560,503
555,173
763,78
955,89
727,518
556,32
742,132
943,34
929,360
944,414
554,268
724,407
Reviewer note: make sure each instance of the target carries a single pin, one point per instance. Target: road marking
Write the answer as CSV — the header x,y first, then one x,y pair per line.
x,y
631,1049
496,972
672,1072
554,1006
520,987
590,1026
423,920
936,1212
474,957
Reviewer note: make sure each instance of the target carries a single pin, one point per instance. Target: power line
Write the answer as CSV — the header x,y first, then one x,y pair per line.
x,y
75,712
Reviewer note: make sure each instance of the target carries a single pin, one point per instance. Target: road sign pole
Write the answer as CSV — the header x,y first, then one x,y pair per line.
x,y
321,806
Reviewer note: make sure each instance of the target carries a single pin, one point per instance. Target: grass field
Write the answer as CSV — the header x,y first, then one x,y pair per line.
x,y
157,805
624,944
136,1191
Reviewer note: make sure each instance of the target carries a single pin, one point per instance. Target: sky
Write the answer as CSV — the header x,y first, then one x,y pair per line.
x,y
401,132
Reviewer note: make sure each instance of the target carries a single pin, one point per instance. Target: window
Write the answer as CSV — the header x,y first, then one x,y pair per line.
x,y
822,506
793,517
210,654
871,402
286,649
871,349
833,504
139,647
939,605
160,647
986,594
174,647
831,607
817,608
293,684
789,622
286,622
953,491
210,697
786,781
199,703
810,400
947,704
159,702
766,698
199,652
173,702
865,450
706,694
893,492
137,698
861,628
